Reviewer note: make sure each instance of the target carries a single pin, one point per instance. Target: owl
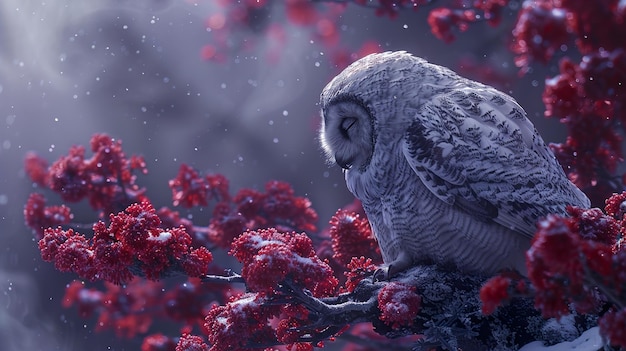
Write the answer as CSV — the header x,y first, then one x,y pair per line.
x,y
449,171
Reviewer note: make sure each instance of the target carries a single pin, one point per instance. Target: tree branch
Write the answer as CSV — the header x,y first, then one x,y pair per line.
x,y
450,317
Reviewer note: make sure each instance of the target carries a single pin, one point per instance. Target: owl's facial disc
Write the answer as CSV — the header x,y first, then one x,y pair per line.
x,y
346,134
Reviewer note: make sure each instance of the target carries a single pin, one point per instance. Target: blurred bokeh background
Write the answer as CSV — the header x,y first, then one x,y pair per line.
x,y
135,70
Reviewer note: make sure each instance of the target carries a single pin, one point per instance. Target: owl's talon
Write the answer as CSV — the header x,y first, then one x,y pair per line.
x,y
381,274
402,262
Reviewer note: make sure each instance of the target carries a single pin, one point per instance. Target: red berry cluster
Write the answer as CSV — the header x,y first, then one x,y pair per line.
x,y
158,342
358,269
398,304
575,262
106,178
191,343
132,309
187,342
586,96
189,189
133,242
38,216
248,209
541,30
495,293
269,258
444,20
126,311
240,324
277,207
236,24
352,236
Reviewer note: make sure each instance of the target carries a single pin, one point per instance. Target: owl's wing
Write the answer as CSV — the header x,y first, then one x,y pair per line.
x,y
476,149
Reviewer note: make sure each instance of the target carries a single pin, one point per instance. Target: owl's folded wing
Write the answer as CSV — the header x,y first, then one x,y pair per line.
x,y
475,149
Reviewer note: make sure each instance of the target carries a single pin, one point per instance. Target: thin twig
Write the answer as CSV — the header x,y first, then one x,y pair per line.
x,y
231,278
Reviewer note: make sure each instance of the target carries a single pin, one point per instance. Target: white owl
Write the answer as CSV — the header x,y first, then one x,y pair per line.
x,y
449,171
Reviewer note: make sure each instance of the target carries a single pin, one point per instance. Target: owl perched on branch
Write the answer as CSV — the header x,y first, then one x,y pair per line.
x,y
449,171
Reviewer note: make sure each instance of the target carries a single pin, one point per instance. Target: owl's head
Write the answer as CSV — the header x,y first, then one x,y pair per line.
x,y
358,102
347,133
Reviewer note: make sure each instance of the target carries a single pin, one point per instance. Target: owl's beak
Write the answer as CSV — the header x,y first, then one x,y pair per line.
x,y
345,163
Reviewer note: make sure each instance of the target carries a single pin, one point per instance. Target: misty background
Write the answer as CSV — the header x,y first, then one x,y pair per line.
x,y
133,70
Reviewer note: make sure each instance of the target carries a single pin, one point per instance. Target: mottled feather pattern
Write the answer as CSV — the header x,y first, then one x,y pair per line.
x,y
448,170
485,154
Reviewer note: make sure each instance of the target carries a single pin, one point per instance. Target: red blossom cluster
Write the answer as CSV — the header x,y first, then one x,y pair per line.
x,y
127,311
277,207
358,269
190,301
587,96
352,236
270,259
191,343
443,20
38,216
575,262
345,243
398,304
236,25
248,209
241,323
133,242
495,293
158,342
187,342
189,189
106,178
132,309
540,31
489,10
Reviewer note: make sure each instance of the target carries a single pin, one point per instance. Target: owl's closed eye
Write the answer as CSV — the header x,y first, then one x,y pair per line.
x,y
346,134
